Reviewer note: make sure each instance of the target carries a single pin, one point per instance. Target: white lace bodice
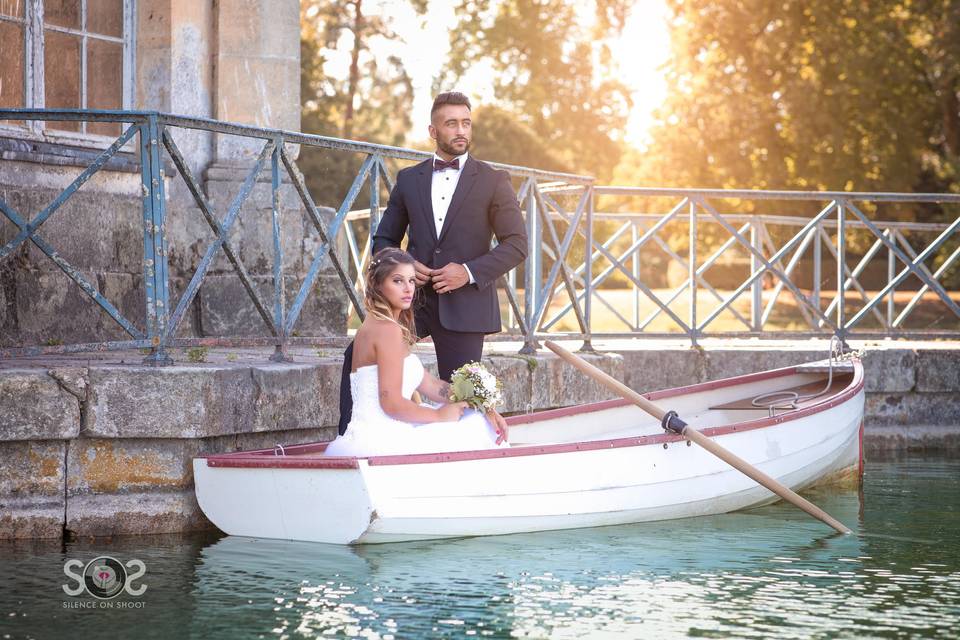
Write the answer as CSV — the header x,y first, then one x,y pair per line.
x,y
365,389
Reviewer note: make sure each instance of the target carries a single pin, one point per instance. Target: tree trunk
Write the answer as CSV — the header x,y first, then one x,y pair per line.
x,y
951,116
354,69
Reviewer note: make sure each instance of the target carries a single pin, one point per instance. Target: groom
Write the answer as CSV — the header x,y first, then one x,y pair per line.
x,y
450,207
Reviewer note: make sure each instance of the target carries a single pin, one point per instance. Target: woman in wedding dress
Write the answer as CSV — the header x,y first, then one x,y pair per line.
x,y
385,420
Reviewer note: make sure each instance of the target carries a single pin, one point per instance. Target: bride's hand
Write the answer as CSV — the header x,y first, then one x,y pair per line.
x,y
499,424
451,412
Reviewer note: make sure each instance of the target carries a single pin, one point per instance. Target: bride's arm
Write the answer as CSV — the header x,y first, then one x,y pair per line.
x,y
434,388
438,390
390,351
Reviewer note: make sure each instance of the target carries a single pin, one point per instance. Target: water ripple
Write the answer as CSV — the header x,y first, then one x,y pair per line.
x,y
766,573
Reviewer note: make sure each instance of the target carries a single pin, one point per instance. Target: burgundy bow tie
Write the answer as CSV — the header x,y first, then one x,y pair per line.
x,y
440,165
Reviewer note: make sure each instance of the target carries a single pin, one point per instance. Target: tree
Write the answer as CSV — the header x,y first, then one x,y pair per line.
x,y
372,103
499,137
550,73
811,94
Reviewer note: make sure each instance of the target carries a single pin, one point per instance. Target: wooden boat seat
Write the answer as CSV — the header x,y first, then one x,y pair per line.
x,y
838,384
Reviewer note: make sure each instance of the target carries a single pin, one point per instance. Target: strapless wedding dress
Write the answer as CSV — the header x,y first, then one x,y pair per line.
x,y
371,432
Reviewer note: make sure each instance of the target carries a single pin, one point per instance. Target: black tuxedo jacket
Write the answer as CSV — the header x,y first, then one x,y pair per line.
x,y
483,206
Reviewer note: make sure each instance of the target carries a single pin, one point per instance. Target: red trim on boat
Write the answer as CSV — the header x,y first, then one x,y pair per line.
x,y
289,449
654,395
281,462
266,457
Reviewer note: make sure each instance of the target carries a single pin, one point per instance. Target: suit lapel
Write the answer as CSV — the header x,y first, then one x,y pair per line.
x,y
424,182
467,178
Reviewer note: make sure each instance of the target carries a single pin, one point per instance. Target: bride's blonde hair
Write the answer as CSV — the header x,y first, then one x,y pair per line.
x,y
381,266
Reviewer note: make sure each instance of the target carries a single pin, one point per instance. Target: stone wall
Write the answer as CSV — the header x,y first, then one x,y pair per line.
x,y
98,231
232,60
103,447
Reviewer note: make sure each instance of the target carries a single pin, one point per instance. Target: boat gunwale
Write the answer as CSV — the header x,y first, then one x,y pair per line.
x,y
267,458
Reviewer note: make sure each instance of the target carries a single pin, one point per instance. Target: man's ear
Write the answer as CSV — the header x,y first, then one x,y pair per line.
x,y
432,131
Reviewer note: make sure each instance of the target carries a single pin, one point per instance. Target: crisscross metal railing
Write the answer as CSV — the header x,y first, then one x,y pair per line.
x,y
794,280
693,217
155,133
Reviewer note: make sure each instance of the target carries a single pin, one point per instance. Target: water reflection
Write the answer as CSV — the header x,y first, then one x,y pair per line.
x,y
661,577
770,572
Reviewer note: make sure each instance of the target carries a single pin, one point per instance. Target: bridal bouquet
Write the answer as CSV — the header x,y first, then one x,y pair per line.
x,y
476,386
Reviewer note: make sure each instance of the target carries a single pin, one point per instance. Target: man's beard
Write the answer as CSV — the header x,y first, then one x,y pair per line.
x,y
449,150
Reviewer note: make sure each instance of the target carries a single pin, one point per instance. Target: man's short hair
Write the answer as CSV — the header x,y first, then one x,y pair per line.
x,y
449,97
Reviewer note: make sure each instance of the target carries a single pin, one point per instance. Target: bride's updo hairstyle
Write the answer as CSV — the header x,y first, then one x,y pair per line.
x,y
381,266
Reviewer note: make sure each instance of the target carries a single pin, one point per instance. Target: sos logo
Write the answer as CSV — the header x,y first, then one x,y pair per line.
x,y
104,577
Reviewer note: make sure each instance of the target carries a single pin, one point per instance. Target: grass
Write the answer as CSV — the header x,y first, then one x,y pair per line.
x,y
930,314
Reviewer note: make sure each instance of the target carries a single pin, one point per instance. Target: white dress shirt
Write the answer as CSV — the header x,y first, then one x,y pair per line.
x,y
441,192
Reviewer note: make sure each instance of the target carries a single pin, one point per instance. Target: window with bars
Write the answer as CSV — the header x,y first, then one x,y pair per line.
x,y
67,54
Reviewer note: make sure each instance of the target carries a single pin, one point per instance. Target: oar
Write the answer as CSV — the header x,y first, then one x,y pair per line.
x,y
671,422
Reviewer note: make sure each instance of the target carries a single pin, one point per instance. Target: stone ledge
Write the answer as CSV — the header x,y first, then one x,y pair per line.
x,y
34,406
938,370
28,519
32,499
135,513
911,437
913,408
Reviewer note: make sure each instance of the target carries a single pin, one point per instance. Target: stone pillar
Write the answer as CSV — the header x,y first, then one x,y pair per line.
x,y
175,68
257,71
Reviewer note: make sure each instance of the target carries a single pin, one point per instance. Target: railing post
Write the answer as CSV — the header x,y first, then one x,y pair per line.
x,y
531,270
756,289
692,273
635,270
841,262
891,274
156,284
374,199
279,303
588,272
817,273
512,320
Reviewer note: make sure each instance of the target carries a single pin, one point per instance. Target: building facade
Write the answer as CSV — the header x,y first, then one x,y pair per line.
x,y
228,60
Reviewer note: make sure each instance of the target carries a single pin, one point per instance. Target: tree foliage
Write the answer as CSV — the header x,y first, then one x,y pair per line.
x,y
550,73
499,137
372,103
811,94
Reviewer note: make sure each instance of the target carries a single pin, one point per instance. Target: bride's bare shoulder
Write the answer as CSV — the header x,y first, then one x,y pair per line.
x,y
378,330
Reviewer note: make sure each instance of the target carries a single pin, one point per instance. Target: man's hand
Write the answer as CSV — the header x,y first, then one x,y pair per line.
x,y
451,277
421,273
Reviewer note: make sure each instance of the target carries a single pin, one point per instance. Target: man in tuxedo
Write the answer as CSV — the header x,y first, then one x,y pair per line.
x,y
450,207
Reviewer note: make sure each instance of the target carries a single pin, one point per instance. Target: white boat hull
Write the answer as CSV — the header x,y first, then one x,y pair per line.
x,y
642,477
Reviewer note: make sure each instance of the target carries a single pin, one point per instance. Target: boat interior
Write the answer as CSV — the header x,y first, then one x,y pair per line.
x,y
723,403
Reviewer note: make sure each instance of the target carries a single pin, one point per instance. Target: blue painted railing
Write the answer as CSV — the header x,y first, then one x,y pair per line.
x,y
153,131
561,279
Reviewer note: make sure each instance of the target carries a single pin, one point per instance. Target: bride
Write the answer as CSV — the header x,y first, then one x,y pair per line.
x,y
385,420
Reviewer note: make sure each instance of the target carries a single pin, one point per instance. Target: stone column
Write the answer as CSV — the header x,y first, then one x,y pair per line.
x,y
257,71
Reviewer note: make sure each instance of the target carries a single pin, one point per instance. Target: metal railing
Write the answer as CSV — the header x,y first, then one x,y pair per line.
x,y
561,279
692,219
162,317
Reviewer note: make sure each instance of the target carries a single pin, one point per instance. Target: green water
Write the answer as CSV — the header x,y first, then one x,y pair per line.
x,y
767,573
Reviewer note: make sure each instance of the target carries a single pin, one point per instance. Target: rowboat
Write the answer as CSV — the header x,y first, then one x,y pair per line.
x,y
597,464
